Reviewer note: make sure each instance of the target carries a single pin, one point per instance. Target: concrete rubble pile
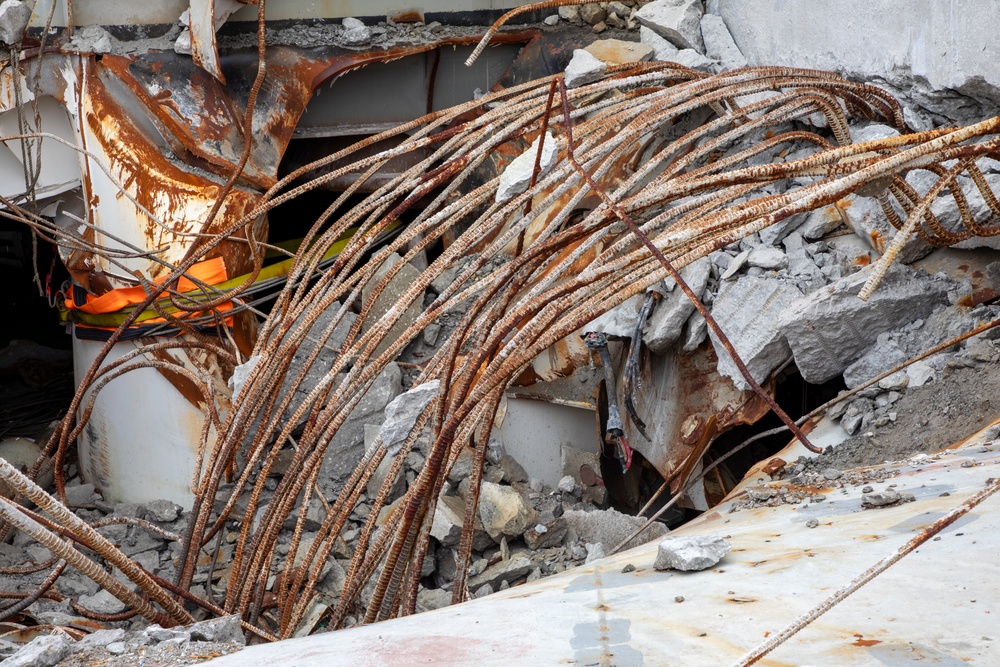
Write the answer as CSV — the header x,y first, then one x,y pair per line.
x,y
364,467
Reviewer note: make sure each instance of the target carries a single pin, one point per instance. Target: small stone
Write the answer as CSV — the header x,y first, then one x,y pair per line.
x,y
628,568
551,20
117,648
582,69
226,630
880,499
599,28
163,510
678,599
567,484
103,602
832,474
812,523
691,553
867,489
768,258
571,14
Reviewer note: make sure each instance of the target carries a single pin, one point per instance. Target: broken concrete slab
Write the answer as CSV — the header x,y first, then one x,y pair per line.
x,y
719,44
691,554
832,328
747,311
582,69
517,176
666,323
678,21
618,51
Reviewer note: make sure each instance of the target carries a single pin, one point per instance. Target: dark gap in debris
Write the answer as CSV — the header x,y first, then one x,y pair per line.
x,y
36,368
796,397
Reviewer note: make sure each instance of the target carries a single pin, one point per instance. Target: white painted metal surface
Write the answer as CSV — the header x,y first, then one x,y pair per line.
x,y
140,443
939,606
534,434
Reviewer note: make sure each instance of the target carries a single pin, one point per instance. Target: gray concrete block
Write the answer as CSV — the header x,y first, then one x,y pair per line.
x,y
747,311
832,328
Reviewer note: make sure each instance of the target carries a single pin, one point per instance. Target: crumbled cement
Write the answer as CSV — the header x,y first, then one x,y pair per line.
x,y
677,21
504,511
691,554
356,32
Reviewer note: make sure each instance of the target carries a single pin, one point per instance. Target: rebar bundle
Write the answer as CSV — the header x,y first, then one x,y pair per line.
x,y
696,162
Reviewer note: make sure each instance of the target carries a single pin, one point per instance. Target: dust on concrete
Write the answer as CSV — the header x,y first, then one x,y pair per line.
x,y
930,418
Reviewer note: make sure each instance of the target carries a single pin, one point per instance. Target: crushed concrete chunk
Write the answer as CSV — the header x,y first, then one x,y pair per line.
x,y
14,18
865,218
880,498
666,323
226,629
678,21
691,553
611,527
620,321
583,68
101,638
510,571
44,651
719,44
504,512
103,602
402,412
832,328
693,59
517,176
389,298
747,310
821,222
767,258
